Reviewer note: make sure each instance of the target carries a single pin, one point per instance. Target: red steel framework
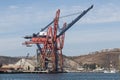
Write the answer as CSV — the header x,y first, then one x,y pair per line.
x,y
50,45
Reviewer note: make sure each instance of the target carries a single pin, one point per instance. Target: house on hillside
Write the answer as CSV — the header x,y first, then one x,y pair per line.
x,y
26,64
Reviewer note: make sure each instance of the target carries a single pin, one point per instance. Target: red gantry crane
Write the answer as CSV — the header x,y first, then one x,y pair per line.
x,y
50,43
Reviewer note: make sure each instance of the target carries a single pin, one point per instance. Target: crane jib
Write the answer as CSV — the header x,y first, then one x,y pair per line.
x,y
74,21
47,26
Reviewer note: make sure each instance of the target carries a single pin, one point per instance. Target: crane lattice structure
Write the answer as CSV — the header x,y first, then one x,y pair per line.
x,y
50,44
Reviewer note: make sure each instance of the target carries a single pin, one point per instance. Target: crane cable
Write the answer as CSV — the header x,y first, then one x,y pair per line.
x,y
42,29
70,15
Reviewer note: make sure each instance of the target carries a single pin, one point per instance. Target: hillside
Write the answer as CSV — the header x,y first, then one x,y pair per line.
x,y
102,58
8,60
70,63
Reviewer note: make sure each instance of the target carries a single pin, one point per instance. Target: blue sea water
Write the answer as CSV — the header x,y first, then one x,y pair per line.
x,y
62,76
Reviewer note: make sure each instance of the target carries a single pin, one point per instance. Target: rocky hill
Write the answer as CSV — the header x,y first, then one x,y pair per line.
x,y
8,60
70,63
103,58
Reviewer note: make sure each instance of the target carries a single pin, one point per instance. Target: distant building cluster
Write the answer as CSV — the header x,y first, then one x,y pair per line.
x,y
106,50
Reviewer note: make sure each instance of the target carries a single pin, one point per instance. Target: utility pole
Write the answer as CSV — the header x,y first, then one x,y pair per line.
x,y
119,62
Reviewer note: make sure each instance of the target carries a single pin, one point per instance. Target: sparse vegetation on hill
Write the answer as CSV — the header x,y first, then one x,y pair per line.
x,y
8,60
101,58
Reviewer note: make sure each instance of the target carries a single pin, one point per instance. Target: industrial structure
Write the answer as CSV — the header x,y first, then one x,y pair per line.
x,y
50,43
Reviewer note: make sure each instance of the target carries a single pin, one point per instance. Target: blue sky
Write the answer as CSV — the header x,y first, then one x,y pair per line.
x,y
97,30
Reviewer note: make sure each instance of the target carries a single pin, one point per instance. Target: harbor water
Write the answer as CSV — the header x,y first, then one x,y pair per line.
x,y
62,76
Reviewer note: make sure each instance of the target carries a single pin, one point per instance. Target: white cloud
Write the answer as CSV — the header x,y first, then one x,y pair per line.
x,y
103,14
98,36
99,14
12,46
30,15
23,18
13,7
9,45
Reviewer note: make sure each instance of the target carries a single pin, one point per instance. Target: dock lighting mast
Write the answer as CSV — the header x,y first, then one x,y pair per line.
x,y
50,44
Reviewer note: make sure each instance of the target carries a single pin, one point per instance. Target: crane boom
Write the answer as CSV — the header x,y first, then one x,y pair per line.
x,y
74,21
47,26
67,27
54,20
